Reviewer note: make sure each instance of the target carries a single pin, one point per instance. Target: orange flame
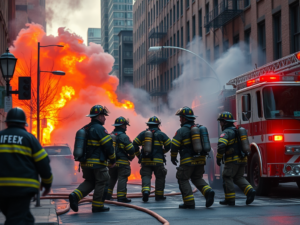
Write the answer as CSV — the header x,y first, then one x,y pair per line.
x,y
134,176
87,81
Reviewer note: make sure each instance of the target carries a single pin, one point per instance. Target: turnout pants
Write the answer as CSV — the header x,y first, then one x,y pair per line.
x,y
121,175
195,173
160,173
94,179
233,174
17,210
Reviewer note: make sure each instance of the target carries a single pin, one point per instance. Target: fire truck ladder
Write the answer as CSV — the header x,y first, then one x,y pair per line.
x,y
285,65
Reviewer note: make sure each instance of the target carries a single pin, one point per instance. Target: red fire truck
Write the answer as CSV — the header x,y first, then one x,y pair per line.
x,y
266,102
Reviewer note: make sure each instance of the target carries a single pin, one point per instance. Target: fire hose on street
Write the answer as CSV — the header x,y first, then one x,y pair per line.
x,y
133,195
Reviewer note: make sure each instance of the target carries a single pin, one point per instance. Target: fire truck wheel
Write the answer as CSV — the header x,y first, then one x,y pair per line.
x,y
258,183
212,179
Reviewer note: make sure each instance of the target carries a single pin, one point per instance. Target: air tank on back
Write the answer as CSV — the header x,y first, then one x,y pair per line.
x,y
148,142
114,139
205,139
244,140
79,145
195,133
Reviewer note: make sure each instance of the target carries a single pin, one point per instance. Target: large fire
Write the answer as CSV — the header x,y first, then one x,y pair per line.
x,y
64,100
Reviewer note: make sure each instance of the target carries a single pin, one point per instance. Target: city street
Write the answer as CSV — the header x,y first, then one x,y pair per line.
x,y
281,206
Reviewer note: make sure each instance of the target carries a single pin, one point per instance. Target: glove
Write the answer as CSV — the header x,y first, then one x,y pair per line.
x,y
219,162
174,161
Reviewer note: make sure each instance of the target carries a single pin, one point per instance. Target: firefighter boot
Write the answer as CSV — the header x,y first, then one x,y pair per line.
x,y
250,196
124,199
73,202
146,196
184,206
160,198
227,202
210,197
100,209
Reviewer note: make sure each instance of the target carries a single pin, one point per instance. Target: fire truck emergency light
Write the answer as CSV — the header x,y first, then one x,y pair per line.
x,y
269,78
298,56
276,138
272,78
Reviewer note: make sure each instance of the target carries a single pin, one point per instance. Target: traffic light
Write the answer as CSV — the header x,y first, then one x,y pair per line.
x,y
24,88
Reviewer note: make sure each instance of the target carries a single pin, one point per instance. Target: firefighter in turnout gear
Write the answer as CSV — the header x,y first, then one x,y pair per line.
x,y
191,167
22,160
99,149
154,144
235,161
124,153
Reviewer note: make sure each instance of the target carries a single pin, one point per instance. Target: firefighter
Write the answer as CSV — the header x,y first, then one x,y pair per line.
x,y
234,163
190,167
124,153
99,149
154,160
22,160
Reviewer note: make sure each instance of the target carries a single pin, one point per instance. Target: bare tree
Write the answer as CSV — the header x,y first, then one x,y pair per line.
x,y
49,92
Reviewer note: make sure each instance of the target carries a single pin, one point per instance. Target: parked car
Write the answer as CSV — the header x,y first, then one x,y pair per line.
x,y
62,163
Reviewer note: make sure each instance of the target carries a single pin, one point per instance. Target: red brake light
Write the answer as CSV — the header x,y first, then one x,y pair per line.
x,y
278,138
250,82
269,78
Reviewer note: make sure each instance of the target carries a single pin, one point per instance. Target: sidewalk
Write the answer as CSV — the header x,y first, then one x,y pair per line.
x,y
46,214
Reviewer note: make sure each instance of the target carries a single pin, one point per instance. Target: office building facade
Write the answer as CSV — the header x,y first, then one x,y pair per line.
x,y
125,58
94,35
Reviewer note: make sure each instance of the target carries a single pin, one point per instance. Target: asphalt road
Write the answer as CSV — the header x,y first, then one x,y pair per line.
x,y
281,206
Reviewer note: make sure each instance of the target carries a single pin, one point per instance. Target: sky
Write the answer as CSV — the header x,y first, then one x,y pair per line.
x,y
76,15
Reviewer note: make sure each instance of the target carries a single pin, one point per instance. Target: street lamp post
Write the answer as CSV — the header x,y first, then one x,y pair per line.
x,y
38,98
38,85
8,64
159,48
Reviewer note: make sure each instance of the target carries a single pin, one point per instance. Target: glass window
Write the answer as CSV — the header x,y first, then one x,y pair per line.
x,y
171,17
187,3
200,22
187,32
259,106
181,7
277,37
262,43
193,27
182,37
207,16
248,114
281,102
174,14
295,25
177,10
57,150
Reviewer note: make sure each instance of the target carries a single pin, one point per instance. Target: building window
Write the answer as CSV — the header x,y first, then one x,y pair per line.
x,y
187,32
216,9
171,17
262,43
277,37
295,25
225,46
194,26
207,16
217,52
236,39
178,38
174,42
177,10
171,45
156,8
181,37
187,3
248,45
181,7
178,70
174,72
200,22
171,76
174,14
167,21
246,3
167,82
